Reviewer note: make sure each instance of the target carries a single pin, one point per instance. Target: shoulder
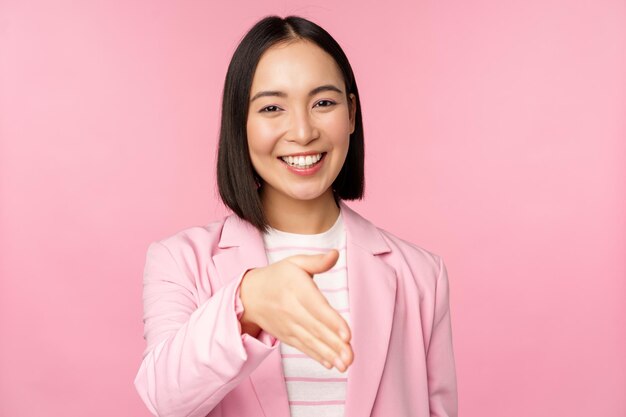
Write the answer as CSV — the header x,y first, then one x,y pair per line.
x,y
412,262
189,244
413,256
415,266
388,245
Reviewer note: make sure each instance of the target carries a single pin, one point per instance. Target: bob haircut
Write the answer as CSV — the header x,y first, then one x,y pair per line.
x,y
237,180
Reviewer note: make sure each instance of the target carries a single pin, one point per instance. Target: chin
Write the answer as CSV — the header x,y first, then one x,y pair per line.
x,y
306,195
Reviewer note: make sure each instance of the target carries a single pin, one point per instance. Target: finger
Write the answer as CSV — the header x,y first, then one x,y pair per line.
x,y
325,332
315,264
316,336
330,338
312,346
293,328
317,305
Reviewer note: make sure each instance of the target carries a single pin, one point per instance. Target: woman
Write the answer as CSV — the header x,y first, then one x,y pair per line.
x,y
295,304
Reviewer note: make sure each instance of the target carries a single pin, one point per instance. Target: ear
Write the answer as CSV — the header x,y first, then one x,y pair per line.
x,y
352,107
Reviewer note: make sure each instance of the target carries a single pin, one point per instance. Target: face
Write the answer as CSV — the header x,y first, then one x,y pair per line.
x,y
298,113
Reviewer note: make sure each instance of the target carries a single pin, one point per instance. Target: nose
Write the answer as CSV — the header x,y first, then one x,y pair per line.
x,y
302,128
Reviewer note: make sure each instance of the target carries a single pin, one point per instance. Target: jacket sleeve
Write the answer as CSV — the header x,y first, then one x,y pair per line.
x,y
195,354
442,384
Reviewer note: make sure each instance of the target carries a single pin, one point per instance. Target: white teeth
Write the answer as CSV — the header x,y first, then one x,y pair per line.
x,y
302,161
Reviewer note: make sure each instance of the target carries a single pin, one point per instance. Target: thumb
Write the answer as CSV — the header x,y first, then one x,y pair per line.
x,y
316,264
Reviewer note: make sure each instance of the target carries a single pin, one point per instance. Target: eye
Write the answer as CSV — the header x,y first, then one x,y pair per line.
x,y
325,103
269,109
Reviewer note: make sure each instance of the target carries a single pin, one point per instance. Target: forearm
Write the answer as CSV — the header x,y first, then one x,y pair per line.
x,y
189,372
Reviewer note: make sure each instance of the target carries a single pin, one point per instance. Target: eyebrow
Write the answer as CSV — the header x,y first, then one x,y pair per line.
x,y
316,90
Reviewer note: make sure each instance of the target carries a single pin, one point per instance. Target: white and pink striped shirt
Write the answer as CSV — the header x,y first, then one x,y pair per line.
x,y
312,389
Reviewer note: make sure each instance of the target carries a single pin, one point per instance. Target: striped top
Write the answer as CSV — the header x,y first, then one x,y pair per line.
x,y
312,389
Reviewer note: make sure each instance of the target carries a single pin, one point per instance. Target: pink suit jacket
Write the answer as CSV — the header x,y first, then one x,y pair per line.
x,y
197,363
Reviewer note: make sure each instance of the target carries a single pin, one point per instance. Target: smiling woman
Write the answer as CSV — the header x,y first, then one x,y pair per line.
x,y
294,305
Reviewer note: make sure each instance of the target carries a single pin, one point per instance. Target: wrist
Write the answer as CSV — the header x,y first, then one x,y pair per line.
x,y
247,323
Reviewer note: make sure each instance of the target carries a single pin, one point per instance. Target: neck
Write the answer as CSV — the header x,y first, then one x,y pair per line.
x,y
300,216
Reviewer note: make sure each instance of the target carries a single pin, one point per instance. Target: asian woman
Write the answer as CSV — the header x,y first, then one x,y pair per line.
x,y
294,304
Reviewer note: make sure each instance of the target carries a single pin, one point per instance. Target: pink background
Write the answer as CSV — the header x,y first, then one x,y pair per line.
x,y
496,138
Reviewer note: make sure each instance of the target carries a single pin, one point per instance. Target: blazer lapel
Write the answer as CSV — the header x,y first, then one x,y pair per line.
x,y
243,248
371,291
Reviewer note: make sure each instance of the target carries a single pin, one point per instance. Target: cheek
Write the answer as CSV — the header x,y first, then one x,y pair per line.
x,y
260,138
338,128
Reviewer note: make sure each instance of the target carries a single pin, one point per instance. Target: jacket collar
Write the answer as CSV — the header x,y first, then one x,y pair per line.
x,y
238,232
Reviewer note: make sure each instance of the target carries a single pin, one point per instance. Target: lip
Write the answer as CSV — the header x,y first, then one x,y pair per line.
x,y
303,154
305,171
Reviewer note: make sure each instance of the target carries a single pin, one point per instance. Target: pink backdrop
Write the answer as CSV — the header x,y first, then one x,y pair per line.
x,y
496,129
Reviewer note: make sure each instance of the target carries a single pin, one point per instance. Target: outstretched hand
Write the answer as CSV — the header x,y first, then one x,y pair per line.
x,y
282,299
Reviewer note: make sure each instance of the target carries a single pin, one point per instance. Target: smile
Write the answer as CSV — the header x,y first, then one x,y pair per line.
x,y
303,162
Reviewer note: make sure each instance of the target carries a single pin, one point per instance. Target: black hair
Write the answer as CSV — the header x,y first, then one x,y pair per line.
x,y
237,180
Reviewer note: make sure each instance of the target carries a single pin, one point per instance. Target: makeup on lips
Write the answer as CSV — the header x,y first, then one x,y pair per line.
x,y
307,163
